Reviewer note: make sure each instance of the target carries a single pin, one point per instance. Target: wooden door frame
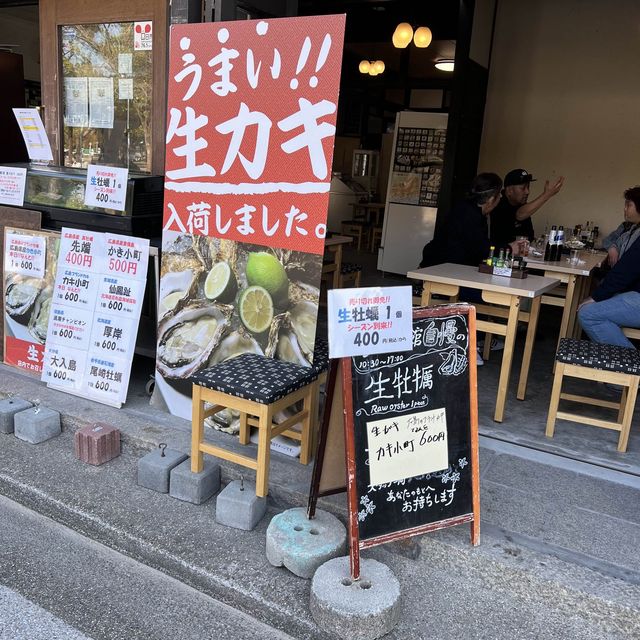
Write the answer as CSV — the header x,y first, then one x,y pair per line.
x,y
57,13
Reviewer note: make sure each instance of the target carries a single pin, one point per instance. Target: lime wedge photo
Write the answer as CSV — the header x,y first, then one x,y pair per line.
x,y
255,307
220,283
265,270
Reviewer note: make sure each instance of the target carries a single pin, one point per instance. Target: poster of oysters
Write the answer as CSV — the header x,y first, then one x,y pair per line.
x,y
249,150
220,298
27,303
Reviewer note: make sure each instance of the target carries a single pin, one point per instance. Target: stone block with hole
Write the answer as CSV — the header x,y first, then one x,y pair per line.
x,y
154,469
37,424
238,506
362,609
8,409
302,545
192,487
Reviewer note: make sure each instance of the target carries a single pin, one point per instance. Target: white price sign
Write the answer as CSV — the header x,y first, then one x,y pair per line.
x,y
106,187
369,320
24,254
63,367
12,181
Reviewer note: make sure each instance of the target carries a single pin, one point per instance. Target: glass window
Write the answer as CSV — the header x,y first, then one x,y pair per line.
x,y
106,96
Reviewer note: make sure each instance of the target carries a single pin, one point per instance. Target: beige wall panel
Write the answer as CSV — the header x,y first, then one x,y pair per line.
x,y
563,99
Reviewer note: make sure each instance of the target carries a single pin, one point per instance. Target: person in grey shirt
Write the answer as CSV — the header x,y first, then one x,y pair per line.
x,y
619,240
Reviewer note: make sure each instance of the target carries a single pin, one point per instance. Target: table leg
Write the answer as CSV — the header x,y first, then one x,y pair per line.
x,y
507,357
528,347
568,304
426,294
338,261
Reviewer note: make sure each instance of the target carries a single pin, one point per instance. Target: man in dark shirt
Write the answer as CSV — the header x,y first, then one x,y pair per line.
x,y
512,217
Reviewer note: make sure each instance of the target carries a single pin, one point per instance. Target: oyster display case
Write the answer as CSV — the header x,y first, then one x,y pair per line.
x,y
58,192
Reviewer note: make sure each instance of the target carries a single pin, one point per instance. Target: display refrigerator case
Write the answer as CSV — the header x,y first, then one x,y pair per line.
x,y
58,192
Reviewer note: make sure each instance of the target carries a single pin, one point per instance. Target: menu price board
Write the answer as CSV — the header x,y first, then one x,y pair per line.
x,y
411,433
417,166
95,311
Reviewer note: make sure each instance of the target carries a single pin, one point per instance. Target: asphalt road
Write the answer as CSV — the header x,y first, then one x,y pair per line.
x,y
60,585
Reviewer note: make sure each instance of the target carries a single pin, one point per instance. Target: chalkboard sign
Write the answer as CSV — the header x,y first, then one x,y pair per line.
x,y
411,432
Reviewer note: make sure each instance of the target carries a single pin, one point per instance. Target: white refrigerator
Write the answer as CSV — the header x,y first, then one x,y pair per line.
x,y
415,178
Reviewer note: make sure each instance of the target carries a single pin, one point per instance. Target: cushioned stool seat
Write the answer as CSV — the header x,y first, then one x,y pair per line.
x,y
258,387
602,363
350,273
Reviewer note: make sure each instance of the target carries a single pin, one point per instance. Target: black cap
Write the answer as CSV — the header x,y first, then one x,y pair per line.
x,y
517,176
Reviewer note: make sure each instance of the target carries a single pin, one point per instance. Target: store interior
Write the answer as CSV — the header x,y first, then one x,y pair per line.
x,y
366,147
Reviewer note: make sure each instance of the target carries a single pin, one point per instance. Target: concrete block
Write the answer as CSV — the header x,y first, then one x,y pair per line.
x,y
37,424
194,487
154,468
302,545
239,507
364,609
97,443
8,408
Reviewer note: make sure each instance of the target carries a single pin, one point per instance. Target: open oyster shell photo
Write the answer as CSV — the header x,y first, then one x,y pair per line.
x,y
220,298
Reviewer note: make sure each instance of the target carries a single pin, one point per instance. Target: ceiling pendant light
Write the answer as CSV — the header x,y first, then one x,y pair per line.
x,y
422,37
402,35
364,66
378,65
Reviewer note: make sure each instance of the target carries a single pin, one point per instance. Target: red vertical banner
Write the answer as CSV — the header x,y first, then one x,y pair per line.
x,y
250,131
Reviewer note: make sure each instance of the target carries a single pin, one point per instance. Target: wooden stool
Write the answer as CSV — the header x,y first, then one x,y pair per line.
x,y
350,274
257,387
375,238
354,228
599,362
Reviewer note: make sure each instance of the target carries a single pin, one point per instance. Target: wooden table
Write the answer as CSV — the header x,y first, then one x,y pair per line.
x,y
576,277
333,246
498,291
373,212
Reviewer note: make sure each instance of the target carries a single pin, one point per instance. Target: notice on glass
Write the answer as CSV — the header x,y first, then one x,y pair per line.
x,y
95,313
369,320
25,255
101,107
12,182
34,134
143,35
76,102
407,446
125,89
106,187
125,64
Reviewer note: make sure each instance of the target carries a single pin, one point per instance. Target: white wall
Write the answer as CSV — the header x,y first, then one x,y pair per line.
x,y
564,99
19,26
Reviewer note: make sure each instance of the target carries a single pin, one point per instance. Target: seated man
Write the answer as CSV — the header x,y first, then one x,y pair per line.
x,y
465,239
512,217
616,302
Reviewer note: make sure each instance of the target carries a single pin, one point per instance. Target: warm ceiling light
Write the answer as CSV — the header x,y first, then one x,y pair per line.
x,y
445,65
378,65
372,71
422,37
402,35
364,66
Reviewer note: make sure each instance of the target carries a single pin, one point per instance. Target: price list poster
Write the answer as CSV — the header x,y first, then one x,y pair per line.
x,y
95,310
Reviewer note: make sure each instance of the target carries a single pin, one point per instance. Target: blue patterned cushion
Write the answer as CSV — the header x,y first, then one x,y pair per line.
x,y
255,377
599,356
320,355
350,267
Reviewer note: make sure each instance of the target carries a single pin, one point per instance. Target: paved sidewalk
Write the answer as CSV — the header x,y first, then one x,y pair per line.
x,y
558,557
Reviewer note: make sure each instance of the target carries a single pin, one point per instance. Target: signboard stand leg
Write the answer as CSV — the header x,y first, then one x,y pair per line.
x,y
316,475
475,457
350,451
